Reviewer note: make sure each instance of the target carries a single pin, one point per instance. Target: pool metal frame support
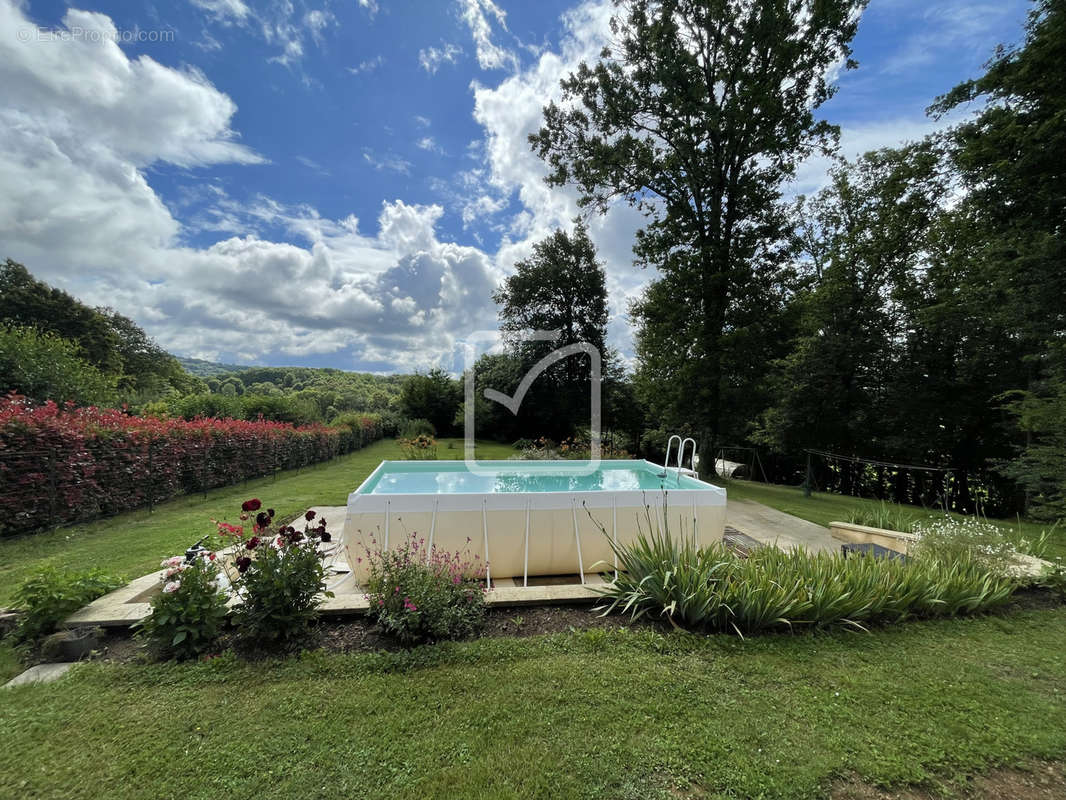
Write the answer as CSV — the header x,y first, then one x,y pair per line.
x,y
525,563
614,534
432,528
695,523
485,529
387,504
577,538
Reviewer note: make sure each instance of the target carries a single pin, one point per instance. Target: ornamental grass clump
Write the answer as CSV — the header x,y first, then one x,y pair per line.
x,y
712,589
189,614
421,594
278,576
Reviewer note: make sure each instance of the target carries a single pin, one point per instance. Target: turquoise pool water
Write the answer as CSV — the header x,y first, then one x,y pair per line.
x,y
453,477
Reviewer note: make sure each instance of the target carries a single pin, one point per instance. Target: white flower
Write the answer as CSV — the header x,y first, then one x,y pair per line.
x,y
171,587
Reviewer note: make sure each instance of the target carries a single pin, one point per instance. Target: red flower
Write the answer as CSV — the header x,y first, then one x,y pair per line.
x,y
325,536
270,513
310,515
262,519
234,530
251,505
252,543
243,563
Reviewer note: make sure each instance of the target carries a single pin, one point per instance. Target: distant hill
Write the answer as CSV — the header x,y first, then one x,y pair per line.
x,y
208,369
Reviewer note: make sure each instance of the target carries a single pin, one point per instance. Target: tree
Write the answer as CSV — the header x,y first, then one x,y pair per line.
x,y
1040,468
697,113
863,241
1008,159
560,287
111,342
24,300
43,366
434,396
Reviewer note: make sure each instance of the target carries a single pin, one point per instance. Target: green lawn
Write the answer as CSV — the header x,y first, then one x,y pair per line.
x,y
615,714
586,714
133,544
824,508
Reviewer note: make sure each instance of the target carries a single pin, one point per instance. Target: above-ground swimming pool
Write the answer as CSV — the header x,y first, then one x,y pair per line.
x,y
527,518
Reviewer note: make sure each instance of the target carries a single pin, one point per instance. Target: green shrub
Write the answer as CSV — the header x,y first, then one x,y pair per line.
x,y
43,366
189,613
423,597
949,540
49,596
280,579
420,448
711,588
418,427
1054,579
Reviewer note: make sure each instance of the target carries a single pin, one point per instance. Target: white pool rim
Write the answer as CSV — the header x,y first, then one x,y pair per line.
x,y
695,493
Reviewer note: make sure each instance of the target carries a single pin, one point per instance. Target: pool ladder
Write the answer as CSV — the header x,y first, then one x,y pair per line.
x,y
680,470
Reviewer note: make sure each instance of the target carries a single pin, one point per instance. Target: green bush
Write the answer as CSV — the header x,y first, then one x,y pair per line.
x,y
425,597
949,540
49,596
1054,579
280,579
420,448
418,427
711,588
43,366
189,613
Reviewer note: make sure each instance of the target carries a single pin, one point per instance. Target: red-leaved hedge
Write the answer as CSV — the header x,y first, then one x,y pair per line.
x,y
65,464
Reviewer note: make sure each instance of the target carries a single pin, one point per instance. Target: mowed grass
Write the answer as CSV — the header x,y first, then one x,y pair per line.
x,y
133,544
824,508
618,714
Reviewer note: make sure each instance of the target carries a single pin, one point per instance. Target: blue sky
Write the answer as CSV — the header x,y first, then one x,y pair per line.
x,y
343,182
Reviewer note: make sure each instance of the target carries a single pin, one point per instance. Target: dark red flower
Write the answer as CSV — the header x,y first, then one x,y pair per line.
x,y
252,543
270,511
262,519
251,505
325,536
243,563
310,515
295,536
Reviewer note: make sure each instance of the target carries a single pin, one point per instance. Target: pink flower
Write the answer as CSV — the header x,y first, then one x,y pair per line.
x,y
172,587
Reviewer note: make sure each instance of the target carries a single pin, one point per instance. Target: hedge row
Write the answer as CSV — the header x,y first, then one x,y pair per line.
x,y
63,464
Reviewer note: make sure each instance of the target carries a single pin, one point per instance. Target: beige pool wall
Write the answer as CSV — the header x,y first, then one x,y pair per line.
x,y
560,541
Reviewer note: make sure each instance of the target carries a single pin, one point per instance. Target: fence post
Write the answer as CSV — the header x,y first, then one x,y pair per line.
x,y
52,488
151,479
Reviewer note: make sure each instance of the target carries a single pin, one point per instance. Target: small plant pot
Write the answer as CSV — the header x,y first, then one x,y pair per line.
x,y
72,645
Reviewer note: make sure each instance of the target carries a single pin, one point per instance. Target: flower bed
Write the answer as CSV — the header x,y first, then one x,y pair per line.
x,y
63,464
